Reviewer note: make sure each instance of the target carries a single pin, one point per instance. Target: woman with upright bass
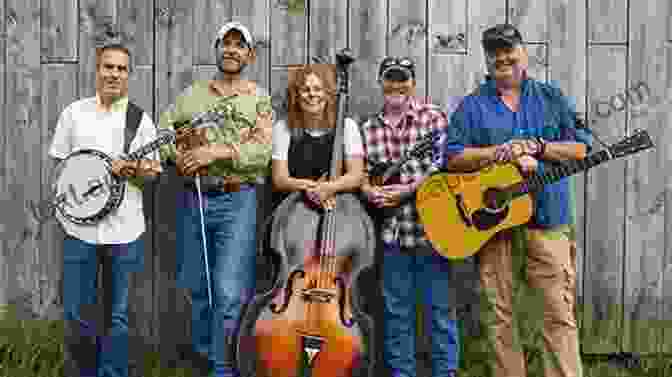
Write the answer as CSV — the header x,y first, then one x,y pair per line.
x,y
311,324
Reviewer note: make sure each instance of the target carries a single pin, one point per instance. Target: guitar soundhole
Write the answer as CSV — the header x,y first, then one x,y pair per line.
x,y
492,199
495,210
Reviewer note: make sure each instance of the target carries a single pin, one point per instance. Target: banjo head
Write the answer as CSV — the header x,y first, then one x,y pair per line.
x,y
85,189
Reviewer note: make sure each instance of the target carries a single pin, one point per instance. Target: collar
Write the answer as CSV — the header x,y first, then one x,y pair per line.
x,y
213,88
413,112
119,105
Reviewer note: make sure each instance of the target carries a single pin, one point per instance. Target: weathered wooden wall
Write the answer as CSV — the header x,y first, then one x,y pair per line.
x,y
596,49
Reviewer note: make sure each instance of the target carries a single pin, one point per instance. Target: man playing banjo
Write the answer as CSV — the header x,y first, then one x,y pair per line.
x,y
216,211
99,123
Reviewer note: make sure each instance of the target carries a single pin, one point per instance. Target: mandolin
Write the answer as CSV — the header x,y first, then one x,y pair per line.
x,y
461,212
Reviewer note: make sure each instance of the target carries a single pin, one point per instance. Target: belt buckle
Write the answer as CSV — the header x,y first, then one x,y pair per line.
x,y
230,184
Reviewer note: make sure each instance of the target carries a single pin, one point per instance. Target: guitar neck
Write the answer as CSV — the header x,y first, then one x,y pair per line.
x,y
151,147
557,172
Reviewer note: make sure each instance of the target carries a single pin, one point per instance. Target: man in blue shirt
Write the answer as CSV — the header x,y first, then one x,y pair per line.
x,y
513,118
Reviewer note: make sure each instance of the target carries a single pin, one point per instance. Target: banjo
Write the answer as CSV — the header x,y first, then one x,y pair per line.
x,y
86,190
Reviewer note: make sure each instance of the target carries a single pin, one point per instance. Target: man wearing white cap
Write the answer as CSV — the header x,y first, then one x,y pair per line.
x,y
234,158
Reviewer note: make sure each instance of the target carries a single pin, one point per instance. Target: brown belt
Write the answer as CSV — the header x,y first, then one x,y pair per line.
x,y
222,184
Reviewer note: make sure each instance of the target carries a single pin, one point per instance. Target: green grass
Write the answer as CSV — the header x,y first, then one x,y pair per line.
x,y
33,348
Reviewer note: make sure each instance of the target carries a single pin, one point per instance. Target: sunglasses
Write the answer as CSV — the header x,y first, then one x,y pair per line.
x,y
500,32
390,61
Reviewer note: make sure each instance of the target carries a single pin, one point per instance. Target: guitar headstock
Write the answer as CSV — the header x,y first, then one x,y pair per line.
x,y
638,141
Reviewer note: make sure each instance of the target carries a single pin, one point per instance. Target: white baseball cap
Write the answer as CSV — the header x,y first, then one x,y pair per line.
x,y
234,25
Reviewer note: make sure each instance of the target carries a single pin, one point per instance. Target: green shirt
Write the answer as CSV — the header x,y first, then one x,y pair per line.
x,y
253,158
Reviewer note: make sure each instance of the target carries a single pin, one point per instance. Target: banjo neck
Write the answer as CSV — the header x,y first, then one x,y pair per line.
x,y
150,147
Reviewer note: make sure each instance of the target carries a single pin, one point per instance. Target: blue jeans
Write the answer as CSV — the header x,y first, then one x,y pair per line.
x,y
230,228
97,354
404,272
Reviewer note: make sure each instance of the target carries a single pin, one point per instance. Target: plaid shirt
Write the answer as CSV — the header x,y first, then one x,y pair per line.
x,y
384,143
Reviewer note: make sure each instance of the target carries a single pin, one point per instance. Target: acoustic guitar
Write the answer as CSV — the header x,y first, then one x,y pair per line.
x,y
461,212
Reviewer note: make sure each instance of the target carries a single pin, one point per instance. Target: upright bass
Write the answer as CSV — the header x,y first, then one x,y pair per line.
x,y
310,324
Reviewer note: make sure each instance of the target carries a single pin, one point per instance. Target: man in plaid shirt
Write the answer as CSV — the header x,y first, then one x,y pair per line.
x,y
410,264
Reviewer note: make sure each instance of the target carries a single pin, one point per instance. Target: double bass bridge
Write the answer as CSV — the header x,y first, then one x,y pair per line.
x,y
318,295
312,345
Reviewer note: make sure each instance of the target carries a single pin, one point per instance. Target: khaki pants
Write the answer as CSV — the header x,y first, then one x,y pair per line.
x,y
551,271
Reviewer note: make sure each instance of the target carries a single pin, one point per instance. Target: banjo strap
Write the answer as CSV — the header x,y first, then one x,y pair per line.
x,y
133,118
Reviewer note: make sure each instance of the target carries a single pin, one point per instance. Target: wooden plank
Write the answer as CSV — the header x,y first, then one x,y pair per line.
x,y
567,58
645,225
140,313
607,21
605,214
288,29
328,28
666,305
21,165
447,27
174,57
531,18
135,21
59,87
448,59
94,16
59,29
368,20
407,33
4,189
209,16
174,51
459,66
204,72
256,15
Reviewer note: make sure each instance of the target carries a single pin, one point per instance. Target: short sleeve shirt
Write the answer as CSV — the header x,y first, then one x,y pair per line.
x,y
282,139
82,126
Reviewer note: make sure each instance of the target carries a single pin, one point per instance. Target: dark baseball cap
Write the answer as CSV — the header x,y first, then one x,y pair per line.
x,y
499,36
396,69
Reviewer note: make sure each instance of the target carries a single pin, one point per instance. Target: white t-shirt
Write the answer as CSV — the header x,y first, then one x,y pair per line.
x,y
282,139
81,126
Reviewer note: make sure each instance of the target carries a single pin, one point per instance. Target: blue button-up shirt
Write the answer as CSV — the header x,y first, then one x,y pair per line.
x,y
482,119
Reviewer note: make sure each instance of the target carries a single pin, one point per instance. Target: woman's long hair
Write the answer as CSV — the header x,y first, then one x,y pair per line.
x,y
327,74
